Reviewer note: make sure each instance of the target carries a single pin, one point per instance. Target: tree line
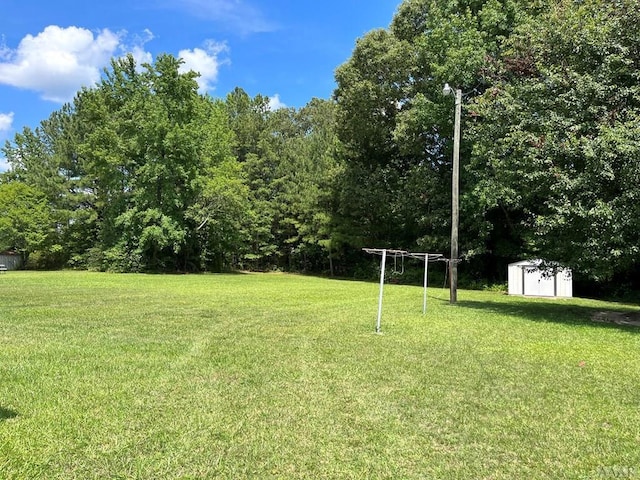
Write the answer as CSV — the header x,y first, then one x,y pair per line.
x,y
142,173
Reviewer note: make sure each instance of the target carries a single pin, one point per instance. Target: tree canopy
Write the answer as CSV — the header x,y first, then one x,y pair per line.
x,y
141,172
549,148
556,140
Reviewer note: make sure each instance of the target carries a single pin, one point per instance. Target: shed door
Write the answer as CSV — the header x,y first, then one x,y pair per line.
x,y
536,284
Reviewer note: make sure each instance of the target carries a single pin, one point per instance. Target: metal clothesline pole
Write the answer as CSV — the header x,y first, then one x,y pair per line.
x,y
382,268
424,295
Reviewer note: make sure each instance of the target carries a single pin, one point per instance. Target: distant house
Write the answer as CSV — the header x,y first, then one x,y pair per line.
x,y
529,279
12,261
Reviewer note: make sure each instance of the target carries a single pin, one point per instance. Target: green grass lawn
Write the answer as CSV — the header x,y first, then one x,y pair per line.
x,y
106,376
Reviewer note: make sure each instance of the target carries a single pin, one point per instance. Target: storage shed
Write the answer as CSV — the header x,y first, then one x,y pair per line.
x,y
528,278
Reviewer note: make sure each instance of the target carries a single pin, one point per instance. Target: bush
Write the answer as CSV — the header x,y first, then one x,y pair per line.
x,y
47,260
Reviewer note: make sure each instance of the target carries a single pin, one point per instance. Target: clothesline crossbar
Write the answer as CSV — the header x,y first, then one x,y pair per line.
x,y
384,252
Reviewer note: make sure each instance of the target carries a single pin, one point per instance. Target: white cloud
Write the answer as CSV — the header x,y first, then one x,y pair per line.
x,y
205,61
275,103
6,120
58,61
4,165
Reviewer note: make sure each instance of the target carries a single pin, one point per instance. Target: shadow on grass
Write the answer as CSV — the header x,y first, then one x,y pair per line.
x,y
6,414
560,312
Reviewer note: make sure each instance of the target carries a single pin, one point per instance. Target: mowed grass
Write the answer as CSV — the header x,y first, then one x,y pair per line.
x,y
282,376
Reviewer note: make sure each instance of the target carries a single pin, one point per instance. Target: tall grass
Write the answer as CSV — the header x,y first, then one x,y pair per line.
x,y
281,376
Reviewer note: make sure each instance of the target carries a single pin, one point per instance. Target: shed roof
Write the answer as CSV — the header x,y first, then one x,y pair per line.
x,y
527,263
537,262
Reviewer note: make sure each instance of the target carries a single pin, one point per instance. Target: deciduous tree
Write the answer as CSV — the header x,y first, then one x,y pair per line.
x,y
556,142
26,221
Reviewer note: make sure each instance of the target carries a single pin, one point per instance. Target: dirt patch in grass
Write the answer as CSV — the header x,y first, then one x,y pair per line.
x,y
619,318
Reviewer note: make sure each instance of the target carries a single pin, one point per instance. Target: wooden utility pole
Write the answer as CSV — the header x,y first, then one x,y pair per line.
x,y
455,202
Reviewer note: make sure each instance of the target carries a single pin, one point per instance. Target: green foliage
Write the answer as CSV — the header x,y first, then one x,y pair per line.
x,y
549,145
46,159
26,220
142,173
290,163
143,142
147,144
557,145
222,214
396,124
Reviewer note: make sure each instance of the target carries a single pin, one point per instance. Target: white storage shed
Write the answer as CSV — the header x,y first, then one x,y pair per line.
x,y
527,278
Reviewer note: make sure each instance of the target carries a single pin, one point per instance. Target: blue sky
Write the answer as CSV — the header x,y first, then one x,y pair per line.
x,y
284,49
